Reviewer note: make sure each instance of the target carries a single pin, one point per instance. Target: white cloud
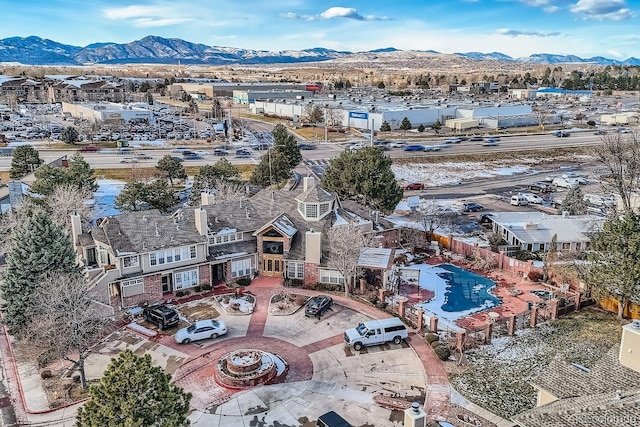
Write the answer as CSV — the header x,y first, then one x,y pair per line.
x,y
600,10
335,12
516,33
146,16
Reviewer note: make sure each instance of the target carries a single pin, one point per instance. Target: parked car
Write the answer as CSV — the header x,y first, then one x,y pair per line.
x,y
161,315
318,305
472,207
565,183
414,186
541,187
533,198
201,330
414,147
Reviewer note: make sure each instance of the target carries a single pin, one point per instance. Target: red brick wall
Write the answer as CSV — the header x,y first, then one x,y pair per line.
x,y
204,272
152,292
311,273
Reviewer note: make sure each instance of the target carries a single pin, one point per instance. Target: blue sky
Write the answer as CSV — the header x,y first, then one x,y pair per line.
x,y
517,28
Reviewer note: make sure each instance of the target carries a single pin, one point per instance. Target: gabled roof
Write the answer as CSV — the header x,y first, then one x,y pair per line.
x,y
135,232
282,223
588,393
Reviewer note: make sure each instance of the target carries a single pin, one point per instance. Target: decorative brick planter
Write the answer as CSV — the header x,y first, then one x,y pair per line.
x,y
246,368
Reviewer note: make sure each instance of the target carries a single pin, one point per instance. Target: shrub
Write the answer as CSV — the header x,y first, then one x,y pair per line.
x,y
535,276
293,283
181,293
431,337
207,287
301,300
243,281
374,299
197,288
442,352
435,344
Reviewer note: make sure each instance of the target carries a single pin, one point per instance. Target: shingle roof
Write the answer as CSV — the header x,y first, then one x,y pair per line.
x,y
315,194
149,230
586,394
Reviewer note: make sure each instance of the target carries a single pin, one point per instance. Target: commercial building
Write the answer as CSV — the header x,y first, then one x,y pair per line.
x,y
95,112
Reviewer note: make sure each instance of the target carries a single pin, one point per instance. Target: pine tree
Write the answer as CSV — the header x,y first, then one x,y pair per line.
x,y
364,176
385,127
160,196
25,159
39,247
574,202
69,135
406,124
132,392
287,145
79,174
170,168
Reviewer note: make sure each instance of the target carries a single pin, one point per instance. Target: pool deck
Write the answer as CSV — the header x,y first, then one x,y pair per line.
x,y
513,291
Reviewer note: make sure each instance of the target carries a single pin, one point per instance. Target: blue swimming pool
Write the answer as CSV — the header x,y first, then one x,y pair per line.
x,y
466,290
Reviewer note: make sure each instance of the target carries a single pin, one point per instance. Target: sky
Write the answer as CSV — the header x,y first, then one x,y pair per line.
x,y
517,28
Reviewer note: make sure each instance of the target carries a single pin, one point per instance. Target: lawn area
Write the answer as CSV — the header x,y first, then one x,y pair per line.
x,y
497,376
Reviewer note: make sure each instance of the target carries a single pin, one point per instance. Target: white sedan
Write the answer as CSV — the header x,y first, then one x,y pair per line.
x,y
533,198
201,330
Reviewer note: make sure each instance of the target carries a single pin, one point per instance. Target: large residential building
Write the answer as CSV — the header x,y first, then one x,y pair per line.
x,y
143,256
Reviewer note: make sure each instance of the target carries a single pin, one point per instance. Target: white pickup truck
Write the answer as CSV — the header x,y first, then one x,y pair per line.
x,y
376,332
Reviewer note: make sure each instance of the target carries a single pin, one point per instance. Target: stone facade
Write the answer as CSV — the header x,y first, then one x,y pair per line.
x,y
311,274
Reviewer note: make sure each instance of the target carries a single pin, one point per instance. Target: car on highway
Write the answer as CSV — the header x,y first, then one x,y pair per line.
x,y
142,156
307,146
191,156
178,159
202,152
129,160
453,140
562,133
318,305
88,149
432,148
414,147
533,198
357,146
201,330
475,138
243,153
395,144
490,142
220,152
472,207
180,149
414,186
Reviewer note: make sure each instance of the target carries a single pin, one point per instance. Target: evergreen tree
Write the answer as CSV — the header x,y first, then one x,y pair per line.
x,y
133,197
421,128
614,269
170,168
405,125
39,247
574,202
272,169
364,176
78,175
160,196
25,159
286,144
69,135
132,392
385,127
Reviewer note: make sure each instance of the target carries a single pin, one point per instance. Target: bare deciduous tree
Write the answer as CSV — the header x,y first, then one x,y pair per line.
x,y
345,242
66,323
430,217
65,200
620,156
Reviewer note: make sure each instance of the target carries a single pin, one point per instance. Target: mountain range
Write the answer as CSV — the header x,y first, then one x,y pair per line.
x,y
34,50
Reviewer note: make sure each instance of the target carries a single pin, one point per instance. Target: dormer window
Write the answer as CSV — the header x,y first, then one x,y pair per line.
x,y
315,203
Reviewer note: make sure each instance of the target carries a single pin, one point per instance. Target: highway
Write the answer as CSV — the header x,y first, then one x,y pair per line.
x,y
111,159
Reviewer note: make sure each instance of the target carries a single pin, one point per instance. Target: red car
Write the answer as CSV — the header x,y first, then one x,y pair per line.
x,y
414,186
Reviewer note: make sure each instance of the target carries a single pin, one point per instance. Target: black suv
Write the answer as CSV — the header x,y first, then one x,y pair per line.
x,y
472,207
161,315
318,305
541,187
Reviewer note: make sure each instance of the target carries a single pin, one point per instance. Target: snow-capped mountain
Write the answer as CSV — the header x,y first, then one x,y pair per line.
x,y
153,49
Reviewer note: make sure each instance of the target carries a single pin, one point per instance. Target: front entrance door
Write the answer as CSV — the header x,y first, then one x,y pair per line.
x,y
166,283
272,265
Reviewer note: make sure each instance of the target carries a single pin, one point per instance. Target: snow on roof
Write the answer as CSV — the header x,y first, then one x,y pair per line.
x,y
540,227
375,258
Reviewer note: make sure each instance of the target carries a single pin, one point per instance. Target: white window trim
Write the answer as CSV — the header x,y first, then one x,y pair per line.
x,y
132,287
295,269
183,253
222,239
330,276
241,267
192,276
133,259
